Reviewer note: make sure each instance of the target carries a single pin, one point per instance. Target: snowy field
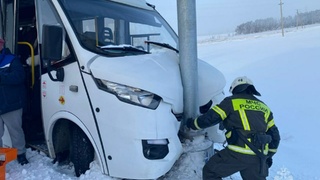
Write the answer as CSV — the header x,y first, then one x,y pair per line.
x,y
285,70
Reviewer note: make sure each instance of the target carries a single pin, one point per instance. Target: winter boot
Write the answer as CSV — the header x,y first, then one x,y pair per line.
x,y
22,159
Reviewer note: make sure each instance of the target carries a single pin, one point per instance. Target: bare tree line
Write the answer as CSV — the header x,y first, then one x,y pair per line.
x,y
269,24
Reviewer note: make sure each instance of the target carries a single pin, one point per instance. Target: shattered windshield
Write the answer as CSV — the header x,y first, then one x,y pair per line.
x,y
114,29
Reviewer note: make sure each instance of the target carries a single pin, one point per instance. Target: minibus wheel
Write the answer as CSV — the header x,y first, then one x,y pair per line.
x,y
81,151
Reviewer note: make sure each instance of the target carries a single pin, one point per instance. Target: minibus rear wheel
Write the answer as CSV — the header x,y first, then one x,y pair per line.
x,y
81,151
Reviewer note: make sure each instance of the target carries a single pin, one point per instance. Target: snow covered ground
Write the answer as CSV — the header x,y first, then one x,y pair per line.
x,y
285,71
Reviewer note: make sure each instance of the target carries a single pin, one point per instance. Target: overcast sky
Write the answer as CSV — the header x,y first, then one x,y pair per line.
x,y
225,15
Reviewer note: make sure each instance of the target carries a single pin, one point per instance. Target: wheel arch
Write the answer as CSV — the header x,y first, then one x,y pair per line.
x,y
59,127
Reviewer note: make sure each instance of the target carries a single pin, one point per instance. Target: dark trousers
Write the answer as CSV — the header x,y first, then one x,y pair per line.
x,y
226,162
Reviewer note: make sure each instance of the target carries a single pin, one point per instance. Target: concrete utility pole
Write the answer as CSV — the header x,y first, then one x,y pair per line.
x,y
281,17
187,29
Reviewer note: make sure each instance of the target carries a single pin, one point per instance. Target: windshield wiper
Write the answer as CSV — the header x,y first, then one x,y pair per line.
x,y
126,49
162,45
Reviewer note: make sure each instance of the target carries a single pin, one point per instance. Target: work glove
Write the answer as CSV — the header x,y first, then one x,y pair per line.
x,y
190,124
269,162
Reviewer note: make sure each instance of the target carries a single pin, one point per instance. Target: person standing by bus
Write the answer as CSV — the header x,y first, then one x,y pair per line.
x,y
12,99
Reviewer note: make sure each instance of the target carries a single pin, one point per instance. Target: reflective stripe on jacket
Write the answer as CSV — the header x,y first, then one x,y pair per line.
x,y
243,112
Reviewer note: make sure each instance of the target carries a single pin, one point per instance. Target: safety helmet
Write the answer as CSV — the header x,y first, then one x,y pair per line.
x,y
241,84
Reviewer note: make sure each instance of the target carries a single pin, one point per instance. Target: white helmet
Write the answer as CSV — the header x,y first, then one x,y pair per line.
x,y
240,84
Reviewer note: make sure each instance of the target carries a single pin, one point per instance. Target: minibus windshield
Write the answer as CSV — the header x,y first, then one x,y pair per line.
x,y
100,23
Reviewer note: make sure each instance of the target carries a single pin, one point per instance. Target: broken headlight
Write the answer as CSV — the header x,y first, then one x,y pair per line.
x,y
130,95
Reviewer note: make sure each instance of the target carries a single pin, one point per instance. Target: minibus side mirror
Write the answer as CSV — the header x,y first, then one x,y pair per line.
x,y
51,49
51,43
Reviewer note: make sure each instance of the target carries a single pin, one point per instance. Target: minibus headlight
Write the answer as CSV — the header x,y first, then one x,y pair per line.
x,y
130,94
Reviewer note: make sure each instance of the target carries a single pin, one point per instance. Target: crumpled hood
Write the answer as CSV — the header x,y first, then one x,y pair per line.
x,y
211,83
157,73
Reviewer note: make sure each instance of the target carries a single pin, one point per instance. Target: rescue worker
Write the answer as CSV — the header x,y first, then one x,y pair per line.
x,y
242,115
12,97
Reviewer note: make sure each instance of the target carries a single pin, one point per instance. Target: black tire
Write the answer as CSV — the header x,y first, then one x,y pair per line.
x,y
81,151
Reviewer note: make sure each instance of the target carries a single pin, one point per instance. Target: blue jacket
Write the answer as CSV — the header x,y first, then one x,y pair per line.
x,y
12,82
